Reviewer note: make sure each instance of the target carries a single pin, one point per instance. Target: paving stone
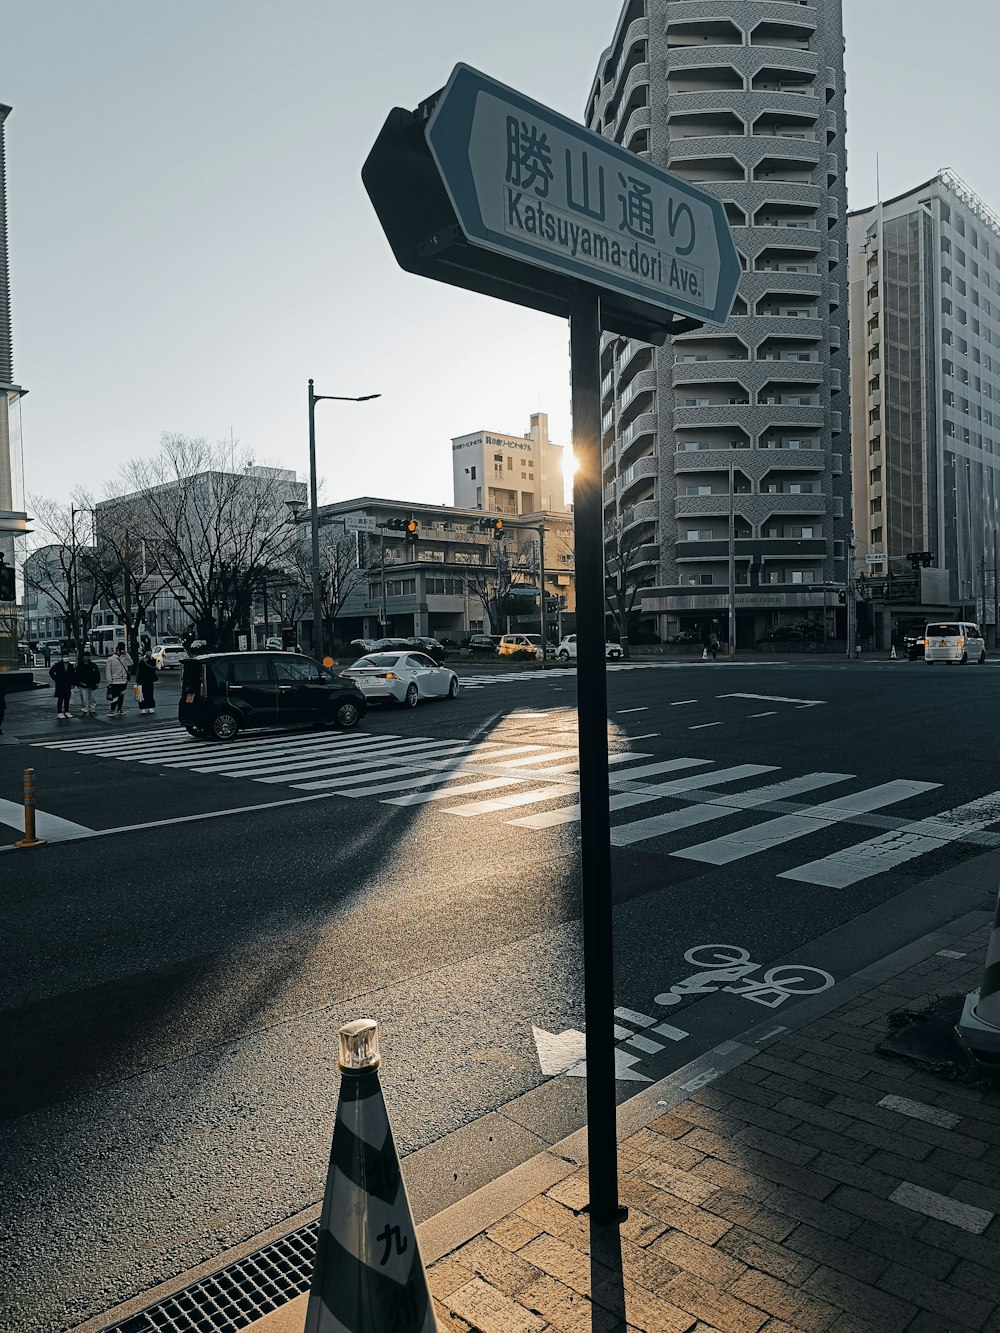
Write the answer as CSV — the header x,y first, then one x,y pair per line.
x,y
734,1178
694,1257
871,1209
901,1249
509,1273
966,1168
894,1123
799,1090
851,1150
861,1176
821,1116
971,1191
565,1310
762,1164
854,1297
777,1144
926,1322
693,1221
514,1231
752,1216
669,1126
489,1311
943,1298
719,1122
640,1228
712,1096
901,1168
985,1130
448,1319
789,1303
649,1313
825,1217
715,1308
447,1274
684,1184
554,1219
742,1090
678,1152
933,1204
975,1279
756,1252
574,1191
842,1255
962,1244
916,1110
566,1264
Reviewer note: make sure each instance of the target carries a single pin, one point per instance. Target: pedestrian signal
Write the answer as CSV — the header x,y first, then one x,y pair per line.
x,y
842,597
7,593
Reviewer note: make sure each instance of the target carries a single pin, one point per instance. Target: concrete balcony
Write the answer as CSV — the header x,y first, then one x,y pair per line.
x,y
640,119
794,504
642,383
646,511
643,425
638,472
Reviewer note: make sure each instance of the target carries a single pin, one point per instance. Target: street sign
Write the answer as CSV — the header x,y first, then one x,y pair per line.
x,y
875,559
529,183
359,523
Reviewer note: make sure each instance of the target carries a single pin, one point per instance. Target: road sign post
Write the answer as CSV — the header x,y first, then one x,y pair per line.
x,y
485,189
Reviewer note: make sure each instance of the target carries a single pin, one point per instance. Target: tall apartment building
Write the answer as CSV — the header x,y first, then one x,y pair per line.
x,y
925,380
746,99
509,474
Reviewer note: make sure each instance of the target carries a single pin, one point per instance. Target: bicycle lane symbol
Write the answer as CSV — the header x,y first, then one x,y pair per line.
x,y
727,967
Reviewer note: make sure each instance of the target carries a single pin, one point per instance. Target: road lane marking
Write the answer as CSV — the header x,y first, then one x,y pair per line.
x,y
646,735
505,802
774,699
864,859
813,819
702,725
679,703
49,827
771,713
449,793
643,709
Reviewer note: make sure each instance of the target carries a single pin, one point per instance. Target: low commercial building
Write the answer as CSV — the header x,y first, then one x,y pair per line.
x,y
437,585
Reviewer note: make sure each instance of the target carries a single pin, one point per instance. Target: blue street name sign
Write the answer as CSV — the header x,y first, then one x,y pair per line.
x,y
529,183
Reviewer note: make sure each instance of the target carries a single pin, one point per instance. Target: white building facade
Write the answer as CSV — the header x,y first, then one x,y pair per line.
x,y
509,474
746,99
925,382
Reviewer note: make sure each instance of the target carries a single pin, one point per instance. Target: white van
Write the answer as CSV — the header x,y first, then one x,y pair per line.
x,y
953,641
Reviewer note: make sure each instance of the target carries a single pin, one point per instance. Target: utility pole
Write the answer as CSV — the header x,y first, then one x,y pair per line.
x,y
128,591
850,608
732,561
996,595
981,618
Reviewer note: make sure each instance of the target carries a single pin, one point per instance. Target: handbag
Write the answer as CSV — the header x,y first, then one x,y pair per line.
x,y
110,693
136,692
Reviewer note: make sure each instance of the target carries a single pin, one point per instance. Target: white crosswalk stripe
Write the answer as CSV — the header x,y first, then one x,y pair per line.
x,y
484,779
813,819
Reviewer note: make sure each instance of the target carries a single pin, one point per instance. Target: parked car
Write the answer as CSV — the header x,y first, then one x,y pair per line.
x,y
167,656
404,678
362,645
520,643
432,647
954,641
913,646
224,693
479,645
390,645
567,648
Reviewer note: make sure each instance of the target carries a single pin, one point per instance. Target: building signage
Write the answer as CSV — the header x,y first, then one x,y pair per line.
x,y
359,523
873,559
532,184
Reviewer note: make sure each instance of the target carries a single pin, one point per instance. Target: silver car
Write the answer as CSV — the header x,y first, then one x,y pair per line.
x,y
167,655
405,678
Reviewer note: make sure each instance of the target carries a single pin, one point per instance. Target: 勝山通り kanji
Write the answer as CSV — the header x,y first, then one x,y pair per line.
x,y
529,158
637,208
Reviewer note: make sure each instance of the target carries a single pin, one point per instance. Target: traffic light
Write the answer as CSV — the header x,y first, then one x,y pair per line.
x,y
7,593
920,558
412,529
397,524
497,526
842,597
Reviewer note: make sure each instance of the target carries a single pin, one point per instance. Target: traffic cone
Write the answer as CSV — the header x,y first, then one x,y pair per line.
x,y
979,1027
369,1277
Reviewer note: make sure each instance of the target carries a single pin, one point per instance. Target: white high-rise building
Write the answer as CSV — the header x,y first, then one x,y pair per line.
x,y
746,99
509,474
925,382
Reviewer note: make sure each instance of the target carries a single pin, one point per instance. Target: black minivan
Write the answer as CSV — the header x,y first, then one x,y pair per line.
x,y
221,693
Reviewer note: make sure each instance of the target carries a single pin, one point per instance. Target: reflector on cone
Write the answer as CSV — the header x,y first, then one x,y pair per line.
x,y
369,1277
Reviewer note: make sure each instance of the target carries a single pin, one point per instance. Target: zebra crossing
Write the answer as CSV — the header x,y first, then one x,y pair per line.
x,y
504,778
477,679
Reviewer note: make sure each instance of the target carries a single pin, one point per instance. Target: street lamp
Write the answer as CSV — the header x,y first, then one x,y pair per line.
x,y
314,398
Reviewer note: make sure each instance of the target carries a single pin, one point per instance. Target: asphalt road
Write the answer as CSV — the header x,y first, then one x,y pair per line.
x,y
172,990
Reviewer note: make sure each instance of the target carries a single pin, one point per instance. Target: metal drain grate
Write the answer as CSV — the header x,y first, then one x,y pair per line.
x,y
235,1296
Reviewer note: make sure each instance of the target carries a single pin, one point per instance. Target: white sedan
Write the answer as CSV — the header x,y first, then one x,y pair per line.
x,y
166,655
567,648
405,678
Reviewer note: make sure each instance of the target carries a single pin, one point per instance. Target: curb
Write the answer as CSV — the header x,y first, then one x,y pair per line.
x,y
457,1223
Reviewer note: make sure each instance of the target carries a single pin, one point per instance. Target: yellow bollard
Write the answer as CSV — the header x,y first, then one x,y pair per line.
x,y
29,839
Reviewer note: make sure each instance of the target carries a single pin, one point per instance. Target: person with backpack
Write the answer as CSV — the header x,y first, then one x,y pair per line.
x,y
88,677
117,669
63,676
145,679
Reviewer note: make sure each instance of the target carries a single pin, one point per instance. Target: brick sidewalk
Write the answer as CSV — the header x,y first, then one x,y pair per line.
x,y
819,1185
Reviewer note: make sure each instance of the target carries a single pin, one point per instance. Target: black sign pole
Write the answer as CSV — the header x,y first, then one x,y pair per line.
x,y
592,709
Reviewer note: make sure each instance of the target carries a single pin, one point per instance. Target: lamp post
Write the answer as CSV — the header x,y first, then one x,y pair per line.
x,y
314,398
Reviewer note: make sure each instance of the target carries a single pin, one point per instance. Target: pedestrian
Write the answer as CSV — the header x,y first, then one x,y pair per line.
x,y
145,677
88,677
116,674
713,644
63,675
46,655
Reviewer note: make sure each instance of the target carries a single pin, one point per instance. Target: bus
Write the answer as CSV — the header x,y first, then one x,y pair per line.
x,y
104,637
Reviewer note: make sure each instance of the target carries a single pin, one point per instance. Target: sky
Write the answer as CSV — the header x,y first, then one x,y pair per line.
x,y
190,240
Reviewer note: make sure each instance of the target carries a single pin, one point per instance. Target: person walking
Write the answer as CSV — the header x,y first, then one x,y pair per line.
x,y
46,655
145,678
713,645
116,674
63,675
88,677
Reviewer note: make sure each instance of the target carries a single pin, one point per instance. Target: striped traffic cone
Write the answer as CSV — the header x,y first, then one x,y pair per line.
x,y
979,1027
368,1277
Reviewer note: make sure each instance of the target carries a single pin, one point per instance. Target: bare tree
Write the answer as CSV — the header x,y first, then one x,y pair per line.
x,y
339,571
60,565
212,523
125,566
499,571
623,576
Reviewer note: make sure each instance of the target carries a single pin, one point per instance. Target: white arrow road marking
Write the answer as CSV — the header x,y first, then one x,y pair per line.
x,y
865,859
49,827
813,819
